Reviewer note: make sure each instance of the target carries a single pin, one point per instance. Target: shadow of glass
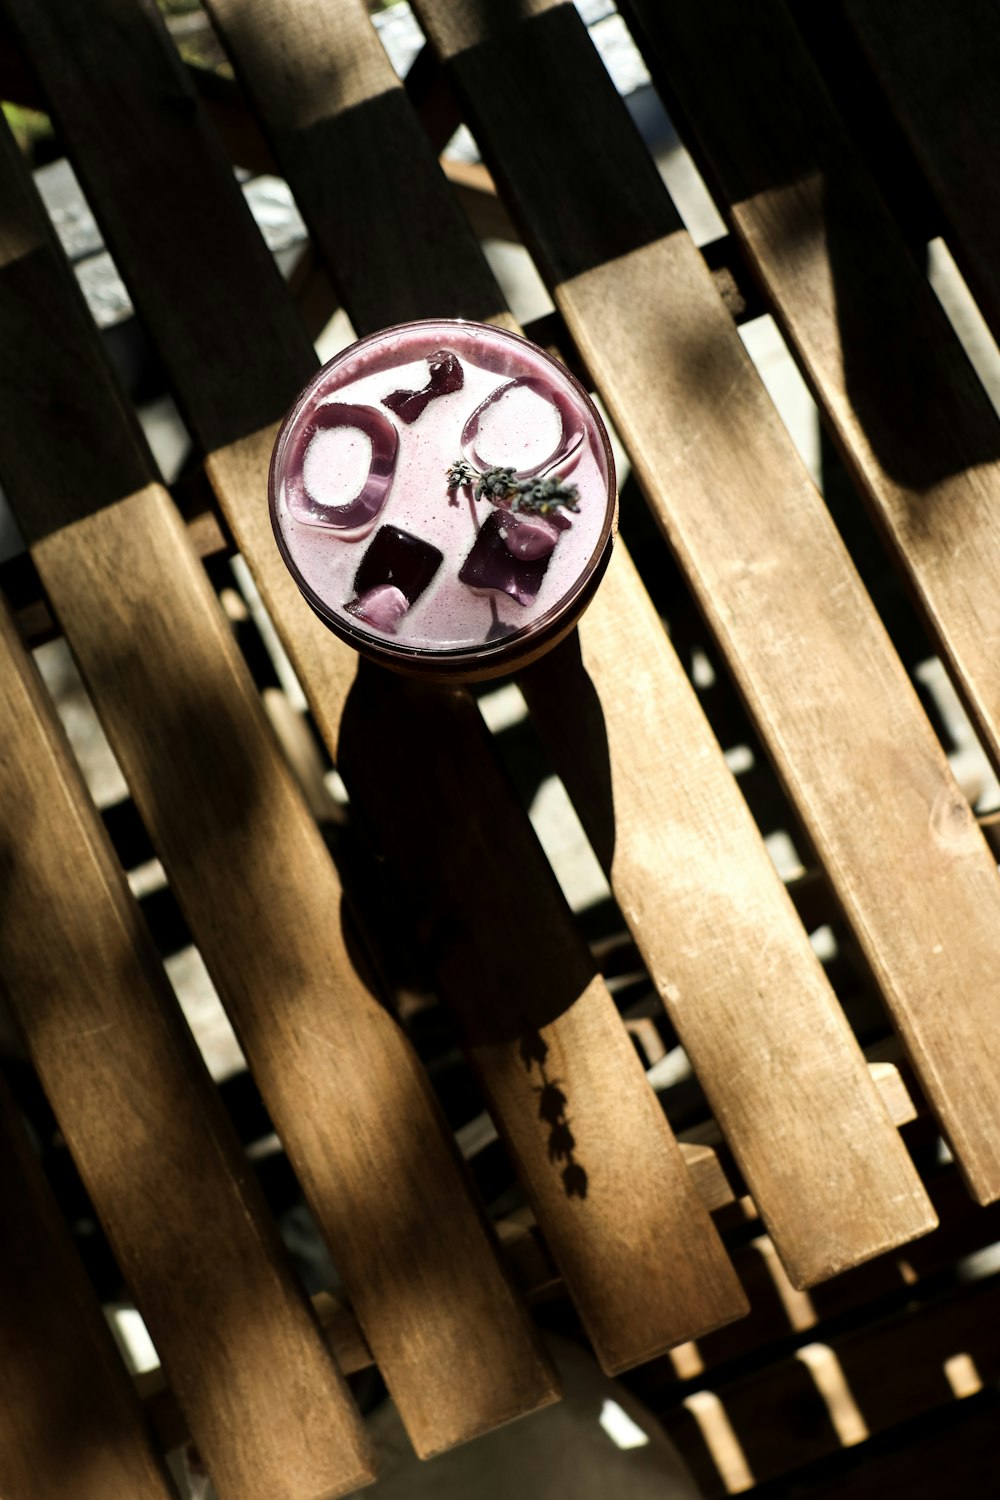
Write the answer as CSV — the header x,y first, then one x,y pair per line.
x,y
427,787
425,784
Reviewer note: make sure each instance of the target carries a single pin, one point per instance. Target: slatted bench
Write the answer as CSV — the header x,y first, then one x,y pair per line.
x,y
799,1134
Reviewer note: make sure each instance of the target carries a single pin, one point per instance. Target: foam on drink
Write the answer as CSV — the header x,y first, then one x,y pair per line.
x,y
364,514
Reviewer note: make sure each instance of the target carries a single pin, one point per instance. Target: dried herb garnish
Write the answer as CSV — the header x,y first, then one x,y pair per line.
x,y
538,496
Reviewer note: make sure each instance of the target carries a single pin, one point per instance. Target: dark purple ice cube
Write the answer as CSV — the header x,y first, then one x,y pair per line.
x,y
398,558
490,565
447,375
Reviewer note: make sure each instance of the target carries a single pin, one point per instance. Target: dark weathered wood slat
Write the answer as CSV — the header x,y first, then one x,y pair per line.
x,y
70,1422
328,128
655,1203
644,703
829,695
916,428
63,46
136,1106
893,1371
353,1107
939,66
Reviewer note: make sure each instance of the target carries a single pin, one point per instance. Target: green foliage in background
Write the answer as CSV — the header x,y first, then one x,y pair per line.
x,y
193,35
33,132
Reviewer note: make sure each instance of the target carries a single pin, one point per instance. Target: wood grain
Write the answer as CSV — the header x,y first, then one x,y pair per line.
x,y
802,639
603,1173
655,1206
779,1065
250,870
938,65
313,72
240,456
915,426
201,1254
891,1371
593,729
469,922
70,1422
534,1272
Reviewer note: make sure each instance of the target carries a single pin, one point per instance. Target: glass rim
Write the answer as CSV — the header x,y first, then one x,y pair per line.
x,y
547,629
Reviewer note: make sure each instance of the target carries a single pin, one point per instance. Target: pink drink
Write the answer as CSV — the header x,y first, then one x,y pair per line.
x,y
443,494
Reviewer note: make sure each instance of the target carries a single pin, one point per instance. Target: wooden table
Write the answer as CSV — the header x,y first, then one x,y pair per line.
x,y
802,1127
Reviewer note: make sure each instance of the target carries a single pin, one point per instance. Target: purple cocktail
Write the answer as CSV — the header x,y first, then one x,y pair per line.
x,y
444,496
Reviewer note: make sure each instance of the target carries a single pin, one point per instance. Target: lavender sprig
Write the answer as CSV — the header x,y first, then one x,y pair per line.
x,y
539,496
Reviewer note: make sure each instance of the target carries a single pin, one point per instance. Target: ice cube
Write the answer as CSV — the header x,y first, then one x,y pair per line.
x,y
382,607
363,508
490,564
398,558
530,537
446,374
568,446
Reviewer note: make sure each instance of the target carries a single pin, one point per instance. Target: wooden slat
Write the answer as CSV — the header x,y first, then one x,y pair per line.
x,y
534,1272
915,426
602,1170
249,868
657,1211
830,697
939,66
69,1419
135,1105
889,1371
952,1451
478,907
780,1068
328,127
882,1288
724,991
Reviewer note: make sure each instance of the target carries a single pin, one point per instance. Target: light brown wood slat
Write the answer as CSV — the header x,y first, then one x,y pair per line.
x,y
347,1095
830,697
270,1412
917,430
534,1271
752,1007
656,1203
620,1213
630,1151
70,1423
938,65
779,1065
